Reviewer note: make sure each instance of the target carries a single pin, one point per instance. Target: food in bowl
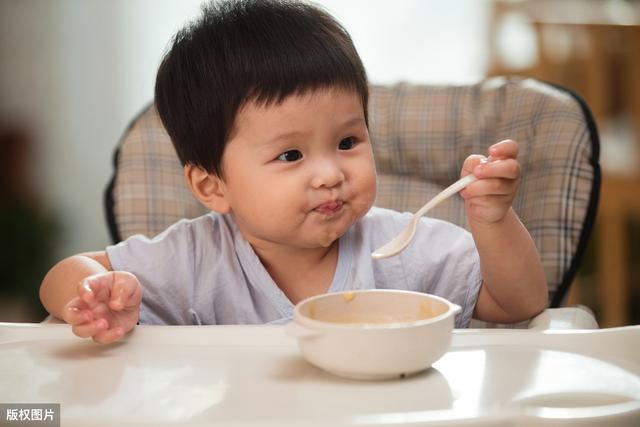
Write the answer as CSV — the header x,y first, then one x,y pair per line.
x,y
373,334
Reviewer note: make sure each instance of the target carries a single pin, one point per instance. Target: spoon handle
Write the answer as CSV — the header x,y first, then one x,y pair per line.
x,y
398,243
446,193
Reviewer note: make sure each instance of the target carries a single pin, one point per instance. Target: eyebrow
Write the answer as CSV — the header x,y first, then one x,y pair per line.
x,y
297,133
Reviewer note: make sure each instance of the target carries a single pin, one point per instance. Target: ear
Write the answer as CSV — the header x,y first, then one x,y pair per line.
x,y
208,188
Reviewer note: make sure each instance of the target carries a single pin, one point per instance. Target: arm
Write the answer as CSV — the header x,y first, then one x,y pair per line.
x,y
514,286
60,285
97,302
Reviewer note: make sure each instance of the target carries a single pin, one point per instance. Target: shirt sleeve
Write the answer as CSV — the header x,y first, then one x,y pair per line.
x,y
164,267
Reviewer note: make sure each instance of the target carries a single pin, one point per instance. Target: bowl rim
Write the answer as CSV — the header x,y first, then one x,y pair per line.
x,y
452,310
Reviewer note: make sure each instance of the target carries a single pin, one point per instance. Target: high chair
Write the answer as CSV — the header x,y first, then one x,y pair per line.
x,y
421,135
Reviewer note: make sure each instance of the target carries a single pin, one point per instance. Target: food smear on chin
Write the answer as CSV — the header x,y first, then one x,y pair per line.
x,y
326,239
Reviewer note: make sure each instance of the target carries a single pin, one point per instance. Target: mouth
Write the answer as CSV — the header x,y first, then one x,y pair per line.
x,y
329,208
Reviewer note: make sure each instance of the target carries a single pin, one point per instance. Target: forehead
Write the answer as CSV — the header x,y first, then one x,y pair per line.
x,y
312,108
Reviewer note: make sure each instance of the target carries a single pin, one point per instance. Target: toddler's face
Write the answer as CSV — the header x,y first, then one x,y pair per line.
x,y
300,173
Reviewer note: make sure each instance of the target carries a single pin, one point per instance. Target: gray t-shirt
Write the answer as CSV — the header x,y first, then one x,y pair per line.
x,y
203,271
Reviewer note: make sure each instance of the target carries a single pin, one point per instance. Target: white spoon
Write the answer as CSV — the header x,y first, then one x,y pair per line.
x,y
402,240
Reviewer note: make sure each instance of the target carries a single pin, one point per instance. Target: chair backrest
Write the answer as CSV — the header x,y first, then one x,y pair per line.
x,y
421,135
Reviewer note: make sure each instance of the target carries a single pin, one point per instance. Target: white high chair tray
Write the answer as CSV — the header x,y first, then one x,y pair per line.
x,y
254,376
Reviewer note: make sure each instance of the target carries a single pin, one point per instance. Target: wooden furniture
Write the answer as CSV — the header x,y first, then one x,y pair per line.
x,y
593,47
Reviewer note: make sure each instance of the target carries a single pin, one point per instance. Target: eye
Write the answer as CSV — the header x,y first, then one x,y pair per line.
x,y
290,156
347,143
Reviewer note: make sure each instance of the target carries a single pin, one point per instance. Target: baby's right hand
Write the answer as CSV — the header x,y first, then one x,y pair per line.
x,y
106,308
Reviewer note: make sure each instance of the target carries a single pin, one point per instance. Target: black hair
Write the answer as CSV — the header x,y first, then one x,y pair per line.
x,y
248,51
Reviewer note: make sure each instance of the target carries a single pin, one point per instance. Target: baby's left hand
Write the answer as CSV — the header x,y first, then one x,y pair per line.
x,y
489,199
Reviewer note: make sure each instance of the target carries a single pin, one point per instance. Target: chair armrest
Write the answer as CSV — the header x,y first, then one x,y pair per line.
x,y
51,319
578,317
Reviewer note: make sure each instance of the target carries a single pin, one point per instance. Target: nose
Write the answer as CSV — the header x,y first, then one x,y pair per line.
x,y
327,173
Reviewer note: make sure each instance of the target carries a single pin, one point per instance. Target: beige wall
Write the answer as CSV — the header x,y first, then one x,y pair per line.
x,y
76,72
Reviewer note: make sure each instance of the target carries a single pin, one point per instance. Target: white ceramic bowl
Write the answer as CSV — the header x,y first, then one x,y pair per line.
x,y
373,334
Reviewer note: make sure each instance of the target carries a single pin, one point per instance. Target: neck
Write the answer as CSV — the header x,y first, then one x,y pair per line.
x,y
299,273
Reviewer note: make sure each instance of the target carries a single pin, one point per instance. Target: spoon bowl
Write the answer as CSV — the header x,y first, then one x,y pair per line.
x,y
402,240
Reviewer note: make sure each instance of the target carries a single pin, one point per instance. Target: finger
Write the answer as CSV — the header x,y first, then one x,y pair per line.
x,y
489,201
109,335
126,292
77,303
507,149
489,187
96,288
75,312
84,291
90,329
490,208
471,162
505,168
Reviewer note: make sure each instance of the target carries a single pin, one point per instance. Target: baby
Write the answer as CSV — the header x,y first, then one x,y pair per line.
x,y
266,105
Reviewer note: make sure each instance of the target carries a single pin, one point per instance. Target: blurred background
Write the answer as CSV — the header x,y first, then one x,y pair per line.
x,y
74,73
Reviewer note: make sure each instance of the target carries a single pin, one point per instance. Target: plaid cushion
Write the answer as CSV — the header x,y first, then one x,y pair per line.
x,y
421,135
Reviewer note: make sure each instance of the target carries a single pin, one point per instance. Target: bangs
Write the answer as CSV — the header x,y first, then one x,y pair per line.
x,y
244,51
297,50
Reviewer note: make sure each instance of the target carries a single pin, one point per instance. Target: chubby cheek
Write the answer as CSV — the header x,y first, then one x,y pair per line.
x,y
262,212
366,187
271,200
